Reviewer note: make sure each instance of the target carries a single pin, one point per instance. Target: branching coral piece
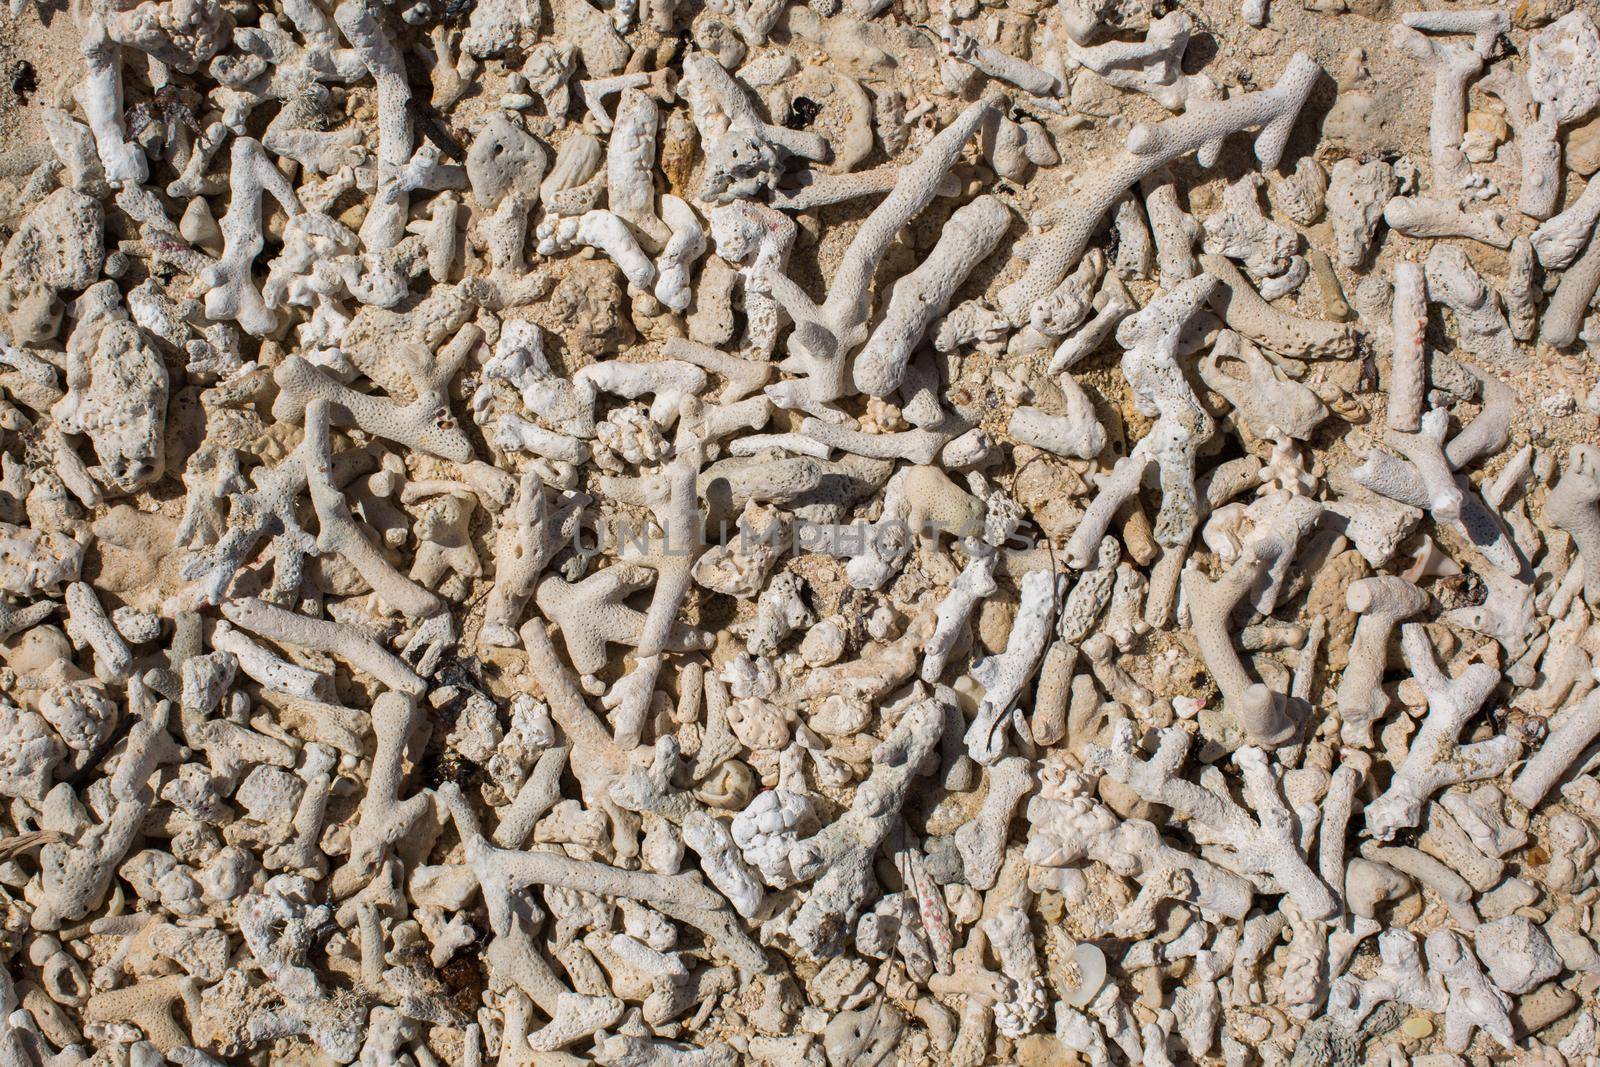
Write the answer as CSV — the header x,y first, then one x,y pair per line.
x,y
1357,196
591,613
1261,846
230,292
998,64
88,624
1268,403
1003,677
1076,433
975,581
1382,603
842,854
340,535
1182,426
101,98
359,23
1572,730
1008,781
530,534
1474,1003
824,334
75,877
1574,505
1148,149
1068,824
1453,67
1400,976
423,423
502,872
596,761
1261,714
1277,331
1454,282
267,509
918,298
1563,316
1429,484
1408,360
674,499
1436,759
149,1005
1422,216
385,818
1152,66
302,631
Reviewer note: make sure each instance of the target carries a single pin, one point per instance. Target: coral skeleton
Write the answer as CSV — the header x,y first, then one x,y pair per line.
x,y
1261,714
1202,128
1435,760
1258,846
800,534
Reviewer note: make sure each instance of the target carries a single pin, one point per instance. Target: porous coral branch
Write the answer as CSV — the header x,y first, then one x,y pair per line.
x,y
230,292
1381,603
340,535
336,639
1260,846
922,296
529,535
1573,504
1436,759
1261,714
824,335
1148,149
1572,731
502,872
842,854
674,496
425,423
